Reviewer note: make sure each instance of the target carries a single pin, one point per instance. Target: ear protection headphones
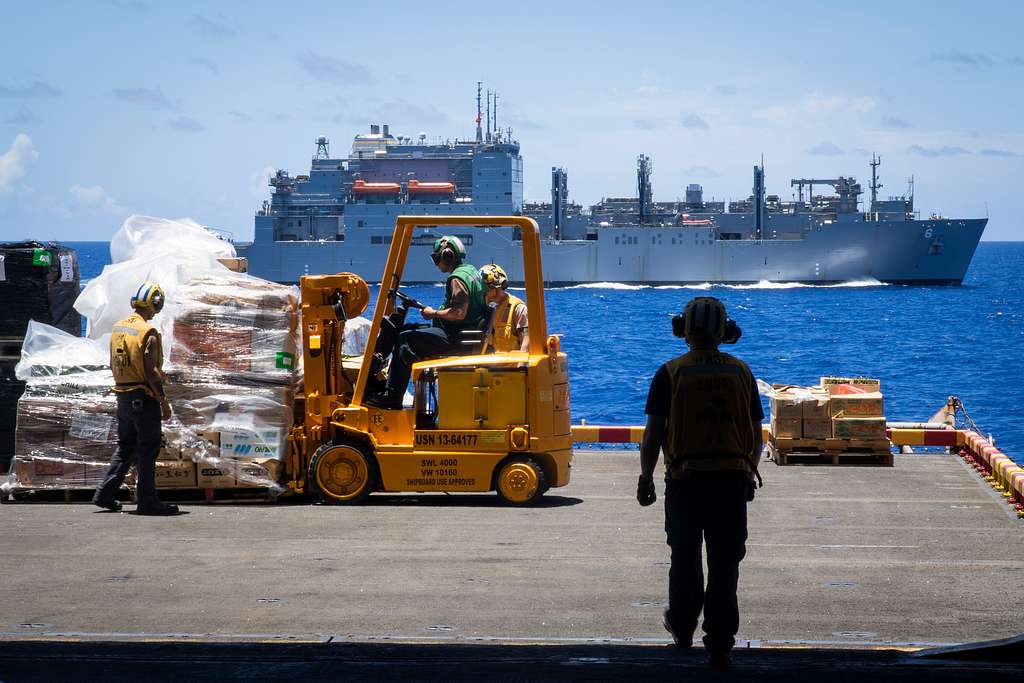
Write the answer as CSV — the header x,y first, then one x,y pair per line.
x,y
706,314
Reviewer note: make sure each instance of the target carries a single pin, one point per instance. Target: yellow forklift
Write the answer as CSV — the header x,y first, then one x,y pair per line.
x,y
479,421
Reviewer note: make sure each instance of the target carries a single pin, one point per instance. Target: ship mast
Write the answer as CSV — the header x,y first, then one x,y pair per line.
x,y
479,132
876,161
643,185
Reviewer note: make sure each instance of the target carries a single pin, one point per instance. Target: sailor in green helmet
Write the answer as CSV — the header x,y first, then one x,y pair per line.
x,y
463,308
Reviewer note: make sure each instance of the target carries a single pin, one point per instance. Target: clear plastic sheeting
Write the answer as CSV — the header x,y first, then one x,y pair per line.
x,y
234,325
357,334
49,352
145,236
67,427
147,248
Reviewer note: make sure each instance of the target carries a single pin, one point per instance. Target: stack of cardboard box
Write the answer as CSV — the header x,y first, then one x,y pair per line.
x,y
231,378
839,408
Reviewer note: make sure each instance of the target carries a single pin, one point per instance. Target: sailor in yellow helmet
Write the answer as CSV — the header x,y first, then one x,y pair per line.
x,y
704,412
136,361
510,327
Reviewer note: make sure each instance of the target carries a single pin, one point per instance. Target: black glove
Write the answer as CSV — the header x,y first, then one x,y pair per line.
x,y
645,494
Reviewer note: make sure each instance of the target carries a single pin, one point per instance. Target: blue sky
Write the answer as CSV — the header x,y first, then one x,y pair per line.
x,y
181,109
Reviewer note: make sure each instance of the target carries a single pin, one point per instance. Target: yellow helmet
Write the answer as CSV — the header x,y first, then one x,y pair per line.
x,y
148,298
494,276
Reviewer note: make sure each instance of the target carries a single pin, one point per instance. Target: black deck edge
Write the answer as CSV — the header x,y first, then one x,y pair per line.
x,y
1005,650
29,660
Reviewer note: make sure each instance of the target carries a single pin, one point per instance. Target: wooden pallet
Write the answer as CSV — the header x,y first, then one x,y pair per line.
x,y
851,456
174,495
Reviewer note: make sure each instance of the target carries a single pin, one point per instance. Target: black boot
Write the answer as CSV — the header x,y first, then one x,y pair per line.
x,y
113,505
388,399
157,509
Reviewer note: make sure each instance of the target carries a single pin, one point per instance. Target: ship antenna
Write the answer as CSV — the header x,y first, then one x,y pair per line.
x,y
479,133
496,133
876,161
488,138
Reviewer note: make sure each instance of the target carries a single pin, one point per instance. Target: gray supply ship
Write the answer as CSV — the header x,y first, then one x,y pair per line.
x,y
341,215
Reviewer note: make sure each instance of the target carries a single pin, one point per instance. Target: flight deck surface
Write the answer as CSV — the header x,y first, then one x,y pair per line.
x,y
924,553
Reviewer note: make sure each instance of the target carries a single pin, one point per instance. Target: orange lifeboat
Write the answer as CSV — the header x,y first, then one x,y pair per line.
x,y
363,187
416,187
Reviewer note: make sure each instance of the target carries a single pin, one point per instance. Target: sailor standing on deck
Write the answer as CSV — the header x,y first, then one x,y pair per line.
x,y
136,360
704,412
510,327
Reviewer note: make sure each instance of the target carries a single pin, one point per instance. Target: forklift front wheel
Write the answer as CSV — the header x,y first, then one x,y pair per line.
x,y
343,473
520,481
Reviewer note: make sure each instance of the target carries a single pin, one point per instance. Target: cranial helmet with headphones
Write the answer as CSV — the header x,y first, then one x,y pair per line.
x,y
149,297
494,276
704,318
448,250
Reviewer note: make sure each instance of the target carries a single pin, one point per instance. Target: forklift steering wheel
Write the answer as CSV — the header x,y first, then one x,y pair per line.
x,y
408,300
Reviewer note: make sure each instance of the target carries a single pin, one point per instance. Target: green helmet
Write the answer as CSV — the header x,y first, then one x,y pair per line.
x,y
448,248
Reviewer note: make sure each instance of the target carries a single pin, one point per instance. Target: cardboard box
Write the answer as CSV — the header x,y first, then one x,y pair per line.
x,y
45,473
850,384
817,429
785,406
787,428
816,409
215,475
259,472
252,443
236,264
859,428
856,405
175,474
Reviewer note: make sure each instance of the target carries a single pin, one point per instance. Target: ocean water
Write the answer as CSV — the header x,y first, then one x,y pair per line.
x,y
924,343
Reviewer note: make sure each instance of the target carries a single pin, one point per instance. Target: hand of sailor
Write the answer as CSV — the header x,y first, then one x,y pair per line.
x,y
645,493
428,313
165,410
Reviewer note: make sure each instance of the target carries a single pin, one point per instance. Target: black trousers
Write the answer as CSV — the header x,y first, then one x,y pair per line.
x,y
712,507
139,434
412,346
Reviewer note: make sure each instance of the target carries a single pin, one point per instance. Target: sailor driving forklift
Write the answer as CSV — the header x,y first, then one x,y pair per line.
x,y
136,361
463,308
510,329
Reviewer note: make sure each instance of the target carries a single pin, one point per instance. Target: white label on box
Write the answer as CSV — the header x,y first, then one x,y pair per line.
x,y
234,422
256,443
67,268
3,270
91,427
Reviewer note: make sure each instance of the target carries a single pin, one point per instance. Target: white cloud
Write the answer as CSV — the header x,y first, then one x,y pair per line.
x,y
818,105
95,197
15,162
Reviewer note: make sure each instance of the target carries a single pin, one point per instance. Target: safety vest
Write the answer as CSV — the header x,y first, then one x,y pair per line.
x,y
470,277
127,350
504,337
709,424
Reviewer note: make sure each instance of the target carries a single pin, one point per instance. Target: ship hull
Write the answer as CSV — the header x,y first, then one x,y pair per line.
x,y
936,251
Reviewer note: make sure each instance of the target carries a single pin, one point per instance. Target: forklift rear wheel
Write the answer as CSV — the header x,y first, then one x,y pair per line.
x,y
343,473
520,481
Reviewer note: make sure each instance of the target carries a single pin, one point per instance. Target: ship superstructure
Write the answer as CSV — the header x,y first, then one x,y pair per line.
x,y
341,215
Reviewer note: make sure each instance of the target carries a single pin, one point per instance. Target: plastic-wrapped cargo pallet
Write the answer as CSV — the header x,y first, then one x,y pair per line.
x,y
67,427
230,343
231,377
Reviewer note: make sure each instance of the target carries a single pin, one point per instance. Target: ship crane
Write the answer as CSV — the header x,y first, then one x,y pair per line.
x,y
848,190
